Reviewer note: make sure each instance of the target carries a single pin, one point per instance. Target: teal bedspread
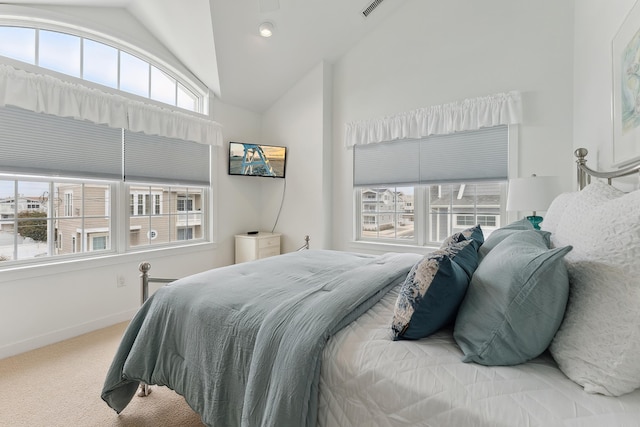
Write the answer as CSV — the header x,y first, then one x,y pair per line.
x,y
243,343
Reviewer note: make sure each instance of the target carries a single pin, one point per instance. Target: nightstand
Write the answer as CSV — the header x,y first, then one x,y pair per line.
x,y
256,246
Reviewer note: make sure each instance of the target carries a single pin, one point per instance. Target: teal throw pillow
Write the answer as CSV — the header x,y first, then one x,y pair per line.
x,y
515,301
433,290
502,233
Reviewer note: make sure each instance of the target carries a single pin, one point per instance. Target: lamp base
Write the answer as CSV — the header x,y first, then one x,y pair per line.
x,y
535,221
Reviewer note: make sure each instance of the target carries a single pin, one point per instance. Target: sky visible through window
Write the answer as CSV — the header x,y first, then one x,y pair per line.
x,y
22,46
59,52
25,188
95,62
100,63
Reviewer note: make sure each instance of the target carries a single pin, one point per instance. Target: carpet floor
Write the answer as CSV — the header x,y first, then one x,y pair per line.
x,y
60,385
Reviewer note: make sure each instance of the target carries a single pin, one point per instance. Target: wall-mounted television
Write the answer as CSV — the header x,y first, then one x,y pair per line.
x,y
257,160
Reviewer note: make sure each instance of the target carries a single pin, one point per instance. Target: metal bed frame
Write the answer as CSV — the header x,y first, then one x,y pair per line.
x,y
585,173
145,279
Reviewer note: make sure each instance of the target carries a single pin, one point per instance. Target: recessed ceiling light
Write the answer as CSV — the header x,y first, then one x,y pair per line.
x,y
266,29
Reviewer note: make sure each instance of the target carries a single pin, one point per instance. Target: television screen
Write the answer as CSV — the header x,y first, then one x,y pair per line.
x,y
257,160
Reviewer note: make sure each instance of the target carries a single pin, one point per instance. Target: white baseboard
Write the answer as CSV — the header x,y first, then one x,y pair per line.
x,y
64,334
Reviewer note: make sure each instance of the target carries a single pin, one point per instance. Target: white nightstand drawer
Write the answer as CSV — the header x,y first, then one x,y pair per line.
x,y
269,242
256,246
267,252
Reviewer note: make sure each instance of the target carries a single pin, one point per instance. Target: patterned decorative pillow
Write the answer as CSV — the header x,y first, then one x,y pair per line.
x,y
598,344
473,233
515,302
433,290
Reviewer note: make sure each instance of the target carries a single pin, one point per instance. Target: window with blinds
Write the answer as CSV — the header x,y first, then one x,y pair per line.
x,y
421,191
59,176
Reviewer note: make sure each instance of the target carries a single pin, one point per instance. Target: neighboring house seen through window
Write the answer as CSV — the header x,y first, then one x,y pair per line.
x,y
68,217
167,222
389,213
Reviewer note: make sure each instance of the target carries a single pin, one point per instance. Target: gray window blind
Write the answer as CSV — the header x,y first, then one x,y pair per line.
x,y
41,144
387,162
480,155
151,158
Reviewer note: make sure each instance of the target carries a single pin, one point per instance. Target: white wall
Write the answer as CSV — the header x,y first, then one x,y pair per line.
x,y
43,305
431,52
236,199
301,121
596,24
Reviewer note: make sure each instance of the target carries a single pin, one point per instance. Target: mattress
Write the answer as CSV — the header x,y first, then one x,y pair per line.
x,y
369,380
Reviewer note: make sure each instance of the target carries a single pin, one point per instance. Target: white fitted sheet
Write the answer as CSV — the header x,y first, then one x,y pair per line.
x,y
369,380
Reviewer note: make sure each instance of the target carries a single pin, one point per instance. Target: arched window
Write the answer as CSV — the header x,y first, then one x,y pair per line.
x,y
100,62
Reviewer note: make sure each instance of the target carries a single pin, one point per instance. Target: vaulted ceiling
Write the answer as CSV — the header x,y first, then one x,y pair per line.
x,y
218,40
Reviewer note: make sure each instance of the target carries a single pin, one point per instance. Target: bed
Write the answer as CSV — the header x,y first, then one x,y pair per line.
x,y
525,327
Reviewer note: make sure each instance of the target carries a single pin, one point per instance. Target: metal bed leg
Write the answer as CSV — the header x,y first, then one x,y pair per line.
x,y
144,267
306,244
144,390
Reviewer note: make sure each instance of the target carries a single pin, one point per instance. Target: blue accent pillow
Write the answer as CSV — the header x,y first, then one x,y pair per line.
x,y
515,302
433,290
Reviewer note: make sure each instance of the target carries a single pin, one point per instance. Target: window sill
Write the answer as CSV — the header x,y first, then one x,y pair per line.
x,y
380,248
28,271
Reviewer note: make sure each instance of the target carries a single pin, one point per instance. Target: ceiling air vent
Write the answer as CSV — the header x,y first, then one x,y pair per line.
x,y
367,10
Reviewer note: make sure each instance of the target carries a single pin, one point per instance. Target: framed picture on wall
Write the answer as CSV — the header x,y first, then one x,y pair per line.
x,y
626,89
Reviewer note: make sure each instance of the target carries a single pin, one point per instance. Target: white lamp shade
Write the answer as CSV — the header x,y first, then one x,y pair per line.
x,y
534,193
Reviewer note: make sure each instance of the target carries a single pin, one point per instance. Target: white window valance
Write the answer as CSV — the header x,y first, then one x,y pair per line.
x,y
469,114
46,94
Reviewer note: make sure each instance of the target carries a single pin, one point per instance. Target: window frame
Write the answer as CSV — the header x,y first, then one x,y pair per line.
x,y
414,241
420,208
183,78
55,214
186,229
116,233
138,208
98,235
184,203
205,213
114,206
466,223
422,221
68,204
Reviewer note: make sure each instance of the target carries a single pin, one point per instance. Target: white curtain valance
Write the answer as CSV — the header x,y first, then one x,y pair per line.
x,y
469,114
46,94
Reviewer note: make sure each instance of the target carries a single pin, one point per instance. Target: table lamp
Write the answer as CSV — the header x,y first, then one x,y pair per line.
x,y
534,193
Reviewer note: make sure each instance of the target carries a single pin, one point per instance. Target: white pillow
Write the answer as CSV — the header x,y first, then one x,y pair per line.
x,y
598,344
556,211
569,226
